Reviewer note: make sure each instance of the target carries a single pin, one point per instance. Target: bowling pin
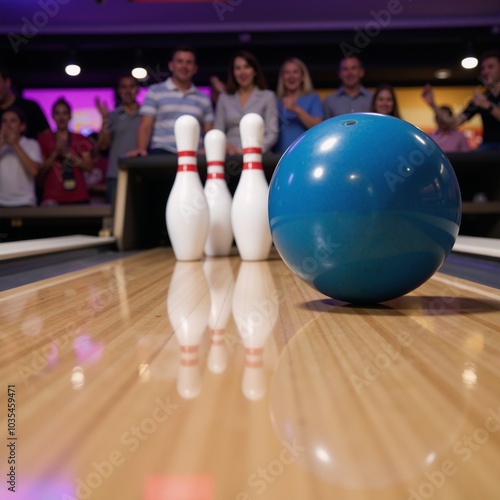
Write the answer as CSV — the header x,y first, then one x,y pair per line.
x,y
188,306
220,233
255,312
249,216
187,214
220,279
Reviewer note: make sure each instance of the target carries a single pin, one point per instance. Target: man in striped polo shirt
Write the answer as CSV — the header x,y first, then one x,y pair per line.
x,y
167,101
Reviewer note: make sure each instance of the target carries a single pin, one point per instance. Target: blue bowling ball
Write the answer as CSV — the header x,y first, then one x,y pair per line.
x,y
364,207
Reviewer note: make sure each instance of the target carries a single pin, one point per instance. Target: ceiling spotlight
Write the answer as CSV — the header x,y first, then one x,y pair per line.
x,y
72,69
469,62
442,74
139,73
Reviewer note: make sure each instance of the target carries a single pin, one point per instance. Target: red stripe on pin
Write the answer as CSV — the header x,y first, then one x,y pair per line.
x,y
215,163
189,348
187,168
189,362
253,364
215,176
252,165
254,350
252,151
186,153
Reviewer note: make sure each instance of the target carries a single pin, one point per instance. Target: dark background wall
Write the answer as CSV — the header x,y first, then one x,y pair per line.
x,y
401,42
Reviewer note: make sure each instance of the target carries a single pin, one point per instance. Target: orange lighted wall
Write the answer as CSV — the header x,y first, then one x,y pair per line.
x,y
414,110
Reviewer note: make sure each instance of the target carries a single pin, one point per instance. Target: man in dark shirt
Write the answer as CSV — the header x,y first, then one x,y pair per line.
x,y
486,103
35,119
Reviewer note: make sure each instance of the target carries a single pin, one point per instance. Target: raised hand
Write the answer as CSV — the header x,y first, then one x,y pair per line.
x,y
102,107
61,145
480,100
428,94
289,103
11,138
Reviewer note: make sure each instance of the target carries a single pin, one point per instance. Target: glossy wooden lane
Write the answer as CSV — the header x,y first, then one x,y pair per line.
x,y
147,379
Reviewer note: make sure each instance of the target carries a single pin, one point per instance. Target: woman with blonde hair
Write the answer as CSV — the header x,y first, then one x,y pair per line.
x,y
299,106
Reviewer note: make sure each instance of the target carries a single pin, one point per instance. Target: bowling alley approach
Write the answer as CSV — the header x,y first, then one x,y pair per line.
x,y
171,373
249,250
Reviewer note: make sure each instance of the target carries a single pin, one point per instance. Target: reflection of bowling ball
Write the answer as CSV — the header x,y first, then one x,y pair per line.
x,y
364,207
369,409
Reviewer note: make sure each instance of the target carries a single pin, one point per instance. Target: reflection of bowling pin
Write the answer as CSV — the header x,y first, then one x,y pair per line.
x,y
187,209
220,233
188,306
249,216
255,311
220,279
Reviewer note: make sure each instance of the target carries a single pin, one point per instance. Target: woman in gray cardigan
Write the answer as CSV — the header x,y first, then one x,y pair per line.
x,y
246,92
